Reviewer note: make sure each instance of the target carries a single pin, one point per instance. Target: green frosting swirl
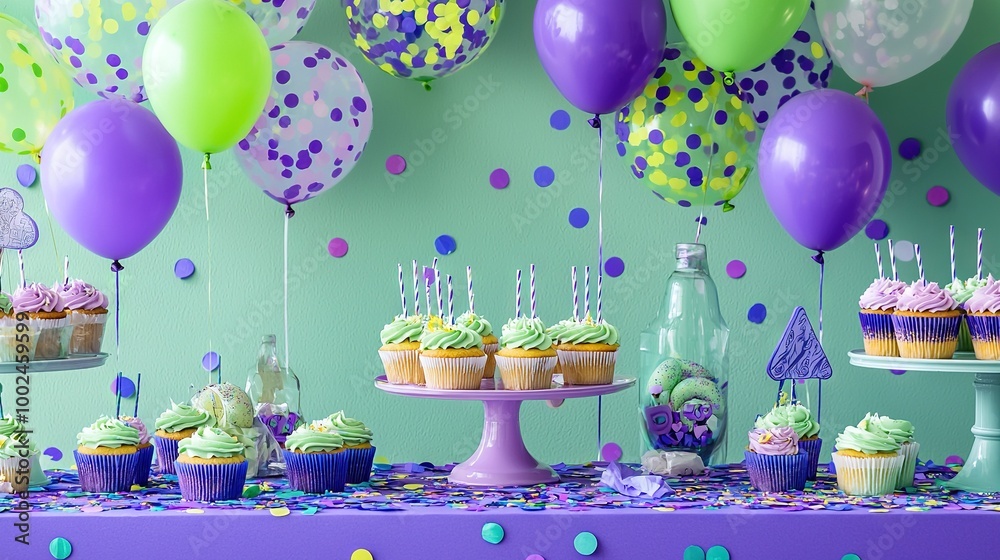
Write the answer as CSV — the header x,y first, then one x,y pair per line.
x,y
869,443
402,329
526,333
589,332
556,331
476,323
795,416
8,448
5,304
208,442
450,336
182,417
900,431
354,432
315,437
961,291
11,428
108,432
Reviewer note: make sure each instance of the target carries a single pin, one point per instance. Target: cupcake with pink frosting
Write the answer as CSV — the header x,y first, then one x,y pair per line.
x,y
145,447
926,322
774,461
46,316
88,312
982,312
877,306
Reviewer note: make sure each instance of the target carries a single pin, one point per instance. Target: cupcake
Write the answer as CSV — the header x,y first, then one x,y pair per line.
x,y
400,351
16,431
10,465
901,432
877,305
9,335
798,418
983,316
774,461
490,342
868,462
316,459
926,322
88,312
47,316
962,291
175,424
527,358
107,455
587,351
145,450
358,444
451,356
211,466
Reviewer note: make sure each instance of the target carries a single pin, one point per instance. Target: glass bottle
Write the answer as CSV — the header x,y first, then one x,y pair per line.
x,y
684,369
275,392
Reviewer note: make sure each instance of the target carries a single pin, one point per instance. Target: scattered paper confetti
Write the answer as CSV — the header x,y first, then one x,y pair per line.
x,y
26,174
535,557
194,511
445,244
736,268
559,120
337,247
91,509
544,176
492,533
910,148
499,178
413,486
877,230
717,553
53,453
279,512
183,268
251,491
579,217
938,196
757,313
585,543
60,548
851,557
127,387
694,552
361,554
395,164
210,361
614,267
611,452
904,250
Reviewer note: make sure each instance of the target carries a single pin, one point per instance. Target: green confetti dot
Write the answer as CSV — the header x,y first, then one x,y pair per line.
x,y
694,552
492,533
36,69
60,549
717,553
1,68
23,48
251,491
585,543
18,135
3,85
851,557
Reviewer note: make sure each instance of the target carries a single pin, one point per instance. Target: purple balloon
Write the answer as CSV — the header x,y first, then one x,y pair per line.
x,y
824,164
973,119
112,177
599,53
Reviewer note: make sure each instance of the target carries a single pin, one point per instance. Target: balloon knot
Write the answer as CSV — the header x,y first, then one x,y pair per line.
x,y
207,164
728,78
595,122
818,257
866,88
728,206
289,212
37,156
116,266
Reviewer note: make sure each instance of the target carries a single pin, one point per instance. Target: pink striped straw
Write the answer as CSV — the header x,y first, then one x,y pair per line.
x,y
586,292
951,235
416,290
532,287
517,296
979,255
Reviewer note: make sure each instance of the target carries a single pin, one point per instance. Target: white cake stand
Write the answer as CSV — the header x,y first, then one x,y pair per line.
x,y
72,363
981,472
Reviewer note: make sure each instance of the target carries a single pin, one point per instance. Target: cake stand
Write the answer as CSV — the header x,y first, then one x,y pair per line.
x,y
502,459
74,362
981,472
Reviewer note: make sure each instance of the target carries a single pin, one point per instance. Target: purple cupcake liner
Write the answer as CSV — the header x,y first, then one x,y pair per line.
x,y
984,328
812,447
876,325
359,465
166,454
926,329
144,460
777,473
211,483
316,473
106,473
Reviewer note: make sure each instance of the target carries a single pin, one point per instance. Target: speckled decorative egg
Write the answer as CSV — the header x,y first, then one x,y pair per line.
x,y
229,404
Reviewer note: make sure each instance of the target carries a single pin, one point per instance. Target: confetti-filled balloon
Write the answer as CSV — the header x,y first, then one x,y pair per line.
x,y
100,42
423,39
803,65
34,92
688,137
279,20
315,125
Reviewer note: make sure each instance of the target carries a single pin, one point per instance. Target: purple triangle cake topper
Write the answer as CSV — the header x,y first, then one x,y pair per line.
x,y
799,355
17,229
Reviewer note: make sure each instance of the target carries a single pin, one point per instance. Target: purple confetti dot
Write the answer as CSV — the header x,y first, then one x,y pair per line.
x,y
614,267
309,62
53,453
954,460
395,164
127,387
121,74
559,120
315,146
877,230
909,148
544,176
702,219
736,268
938,196
611,452
579,217
26,174
445,244
114,60
337,247
757,313
210,361
898,371
291,101
183,268
655,136
359,104
499,178
282,77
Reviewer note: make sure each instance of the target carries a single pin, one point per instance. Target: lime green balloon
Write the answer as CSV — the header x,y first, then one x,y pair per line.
x,y
34,92
738,35
208,73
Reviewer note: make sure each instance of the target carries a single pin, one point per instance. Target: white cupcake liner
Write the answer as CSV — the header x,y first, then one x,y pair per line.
x,y
867,476
402,367
526,374
9,342
909,452
88,332
580,367
491,363
53,338
8,469
453,373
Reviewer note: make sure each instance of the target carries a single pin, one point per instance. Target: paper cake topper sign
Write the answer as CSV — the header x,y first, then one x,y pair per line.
x,y
17,229
799,354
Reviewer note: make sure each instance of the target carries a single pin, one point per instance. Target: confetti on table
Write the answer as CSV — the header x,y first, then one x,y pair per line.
x,y
898,371
544,176
91,509
559,120
492,533
337,247
585,543
26,174
499,178
194,511
614,267
413,486
694,552
251,491
53,453
183,268
736,268
702,219
904,250
938,196
127,387
611,452
279,511
579,217
210,361
445,244
757,313
850,557
535,557
395,164
877,230
717,553
362,554
909,148
60,548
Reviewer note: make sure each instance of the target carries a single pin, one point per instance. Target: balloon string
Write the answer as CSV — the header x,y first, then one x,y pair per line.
x,y
206,166
596,123
288,216
705,178
52,233
822,273
117,267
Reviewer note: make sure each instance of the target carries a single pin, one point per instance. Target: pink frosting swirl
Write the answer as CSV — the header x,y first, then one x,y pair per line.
x,y
138,425
776,441
985,299
926,297
78,294
882,294
35,298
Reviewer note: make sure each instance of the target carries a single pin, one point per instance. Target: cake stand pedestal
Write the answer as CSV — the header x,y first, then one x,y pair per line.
x,y
502,459
981,472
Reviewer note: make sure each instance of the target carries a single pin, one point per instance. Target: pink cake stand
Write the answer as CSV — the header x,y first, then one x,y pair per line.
x,y
502,459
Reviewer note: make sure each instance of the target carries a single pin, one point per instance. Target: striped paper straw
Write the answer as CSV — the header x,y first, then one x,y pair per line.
x,y
920,263
437,282
66,271
600,277
416,290
20,262
517,296
892,261
532,290
979,255
402,288
451,302
576,298
472,298
878,259
951,235
586,292
427,294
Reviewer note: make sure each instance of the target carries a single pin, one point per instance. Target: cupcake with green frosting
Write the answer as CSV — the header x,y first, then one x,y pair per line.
x,y
400,351
962,292
798,418
10,463
175,424
902,432
867,460
587,351
527,357
211,465
107,455
491,343
316,459
358,443
452,356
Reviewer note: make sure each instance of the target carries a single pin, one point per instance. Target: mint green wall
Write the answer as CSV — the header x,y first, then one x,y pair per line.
x,y
496,115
